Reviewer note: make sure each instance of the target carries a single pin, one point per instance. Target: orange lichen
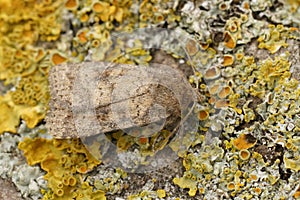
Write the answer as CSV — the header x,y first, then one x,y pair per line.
x,y
58,58
239,56
244,154
108,12
191,47
82,36
124,142
100,6
294,29
295,4
297,193
212,100
158,18
95,43
223,6
224,92
221,103
228,60
246,5
229,41
253,177
289,145
32,115
257,190
84,17
12,110
214,89
243,142
231,186
212,73
204,46
233,27
244,18
161,193
201,190
203,115
143,140
71,4
40,55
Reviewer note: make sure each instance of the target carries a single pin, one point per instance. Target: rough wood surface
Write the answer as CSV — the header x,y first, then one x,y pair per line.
x,y
8,190
119,98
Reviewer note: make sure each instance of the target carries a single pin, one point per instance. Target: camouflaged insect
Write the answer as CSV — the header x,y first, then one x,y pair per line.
x,y
115,101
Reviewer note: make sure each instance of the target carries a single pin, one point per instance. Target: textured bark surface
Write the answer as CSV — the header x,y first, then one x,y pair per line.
x,y
8,191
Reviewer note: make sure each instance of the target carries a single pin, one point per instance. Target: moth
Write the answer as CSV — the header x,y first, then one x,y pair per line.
x,y
91,98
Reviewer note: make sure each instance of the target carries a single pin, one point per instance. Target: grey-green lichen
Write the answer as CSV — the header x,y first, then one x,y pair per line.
x,y
260,159
244,57
108,179
28,180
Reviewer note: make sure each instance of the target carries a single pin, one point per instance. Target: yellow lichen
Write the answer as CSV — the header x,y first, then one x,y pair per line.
x,y
187,183
25,24
270,74
109,12
239,56
100,6
61,159
21,63
275,38
293,164
242,142
9,120
12,112
161,193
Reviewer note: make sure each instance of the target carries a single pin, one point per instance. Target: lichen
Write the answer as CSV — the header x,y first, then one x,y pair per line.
x,y
23,63
64,161
28,180
148,192
274,38
258,110
244,70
